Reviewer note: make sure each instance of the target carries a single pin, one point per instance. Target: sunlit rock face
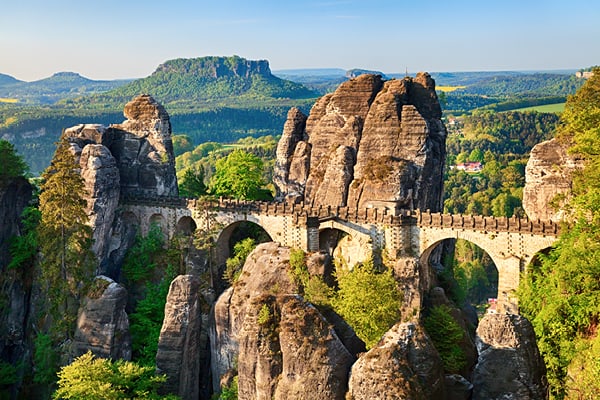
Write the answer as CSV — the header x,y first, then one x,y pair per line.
x,y
549,180
131,159
371,141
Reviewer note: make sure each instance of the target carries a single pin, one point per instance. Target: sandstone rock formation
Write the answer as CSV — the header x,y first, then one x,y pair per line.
x,y
404,365
15,195
510,365
102,323
134,158
369,142
180,345
284,347
15,287
548,180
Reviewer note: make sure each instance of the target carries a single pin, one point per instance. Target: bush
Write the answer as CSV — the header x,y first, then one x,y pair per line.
x,y
88,377
234,264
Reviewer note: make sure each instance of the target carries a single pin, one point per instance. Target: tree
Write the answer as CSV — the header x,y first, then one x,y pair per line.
x,y
446,335
192,184
64,238
12,163
93,378
239,175
368,300
561,294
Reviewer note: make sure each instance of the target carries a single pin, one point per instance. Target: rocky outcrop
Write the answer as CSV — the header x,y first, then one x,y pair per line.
x,y
143,148
509,365
404,365
371,141
102,323
134,158
15,195
549,180
15,284
180,345
284,347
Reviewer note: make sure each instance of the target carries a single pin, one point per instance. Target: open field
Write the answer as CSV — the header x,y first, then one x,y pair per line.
x,y
7,100
448,89
546,108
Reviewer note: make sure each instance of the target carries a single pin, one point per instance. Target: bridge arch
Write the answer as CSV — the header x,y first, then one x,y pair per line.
x,y
350,245
511,252
223,246
185,226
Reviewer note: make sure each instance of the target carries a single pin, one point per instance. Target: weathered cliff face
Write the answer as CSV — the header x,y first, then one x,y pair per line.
x,y
14,286
14,197
548,180
143,148
183,338
102,323
510,365
368,142
134,158
404,365
284,347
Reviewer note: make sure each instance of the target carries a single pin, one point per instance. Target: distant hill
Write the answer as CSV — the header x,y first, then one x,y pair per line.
x,y
7,80
55,88
220,81
323,80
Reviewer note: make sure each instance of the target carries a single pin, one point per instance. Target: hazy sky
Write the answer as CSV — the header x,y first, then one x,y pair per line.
x,y
109,39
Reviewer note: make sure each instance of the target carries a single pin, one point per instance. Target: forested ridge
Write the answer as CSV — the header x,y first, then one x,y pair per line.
x,y
561,294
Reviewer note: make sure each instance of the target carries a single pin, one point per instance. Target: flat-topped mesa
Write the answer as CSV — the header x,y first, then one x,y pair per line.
x,y
370,143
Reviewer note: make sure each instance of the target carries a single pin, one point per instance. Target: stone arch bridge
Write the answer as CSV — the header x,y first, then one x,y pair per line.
x,y
512,243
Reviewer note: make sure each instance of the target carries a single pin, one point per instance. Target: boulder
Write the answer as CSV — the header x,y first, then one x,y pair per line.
x,y
179,345
403,365
370,142
285,349
549,180
509,364
102,323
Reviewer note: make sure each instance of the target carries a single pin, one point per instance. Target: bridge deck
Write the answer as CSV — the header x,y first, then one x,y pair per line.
x,y
394,217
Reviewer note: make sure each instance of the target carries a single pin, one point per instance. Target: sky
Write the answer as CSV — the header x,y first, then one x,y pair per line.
x,y
124,39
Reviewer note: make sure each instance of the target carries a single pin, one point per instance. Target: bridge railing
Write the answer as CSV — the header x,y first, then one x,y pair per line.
x,y
363,215
481,223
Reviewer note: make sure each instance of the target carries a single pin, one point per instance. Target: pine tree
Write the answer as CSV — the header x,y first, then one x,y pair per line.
x,y
64,237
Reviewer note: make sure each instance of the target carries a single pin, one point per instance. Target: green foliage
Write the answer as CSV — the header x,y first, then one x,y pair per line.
x,y
12,163
67,262
8,374
192,184
561,296
45,360
93,378
229,392
446,335
314,289
264,315
368,300
139,261
239,176
23,249
181,144
235,263
146,321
